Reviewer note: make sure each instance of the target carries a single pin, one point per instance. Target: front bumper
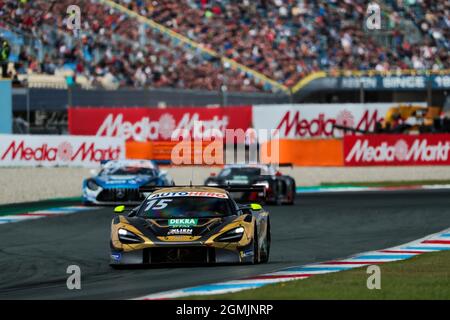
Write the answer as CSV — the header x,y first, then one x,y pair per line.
x,y
181,254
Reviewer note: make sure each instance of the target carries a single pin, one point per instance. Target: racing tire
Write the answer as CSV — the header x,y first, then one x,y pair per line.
x,y
291,201
256,256
266,255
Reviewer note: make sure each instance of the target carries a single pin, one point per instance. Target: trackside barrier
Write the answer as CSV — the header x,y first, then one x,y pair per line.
x,y
53,150
318,152
352,150
396,149
198,152
313,152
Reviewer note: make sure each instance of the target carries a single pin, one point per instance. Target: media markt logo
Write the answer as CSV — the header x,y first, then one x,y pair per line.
x,y
182,222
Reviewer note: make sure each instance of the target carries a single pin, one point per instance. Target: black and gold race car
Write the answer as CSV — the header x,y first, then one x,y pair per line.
x,y
192,224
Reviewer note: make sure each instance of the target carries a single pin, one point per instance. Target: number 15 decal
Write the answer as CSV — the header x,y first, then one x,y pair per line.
x,y
157,204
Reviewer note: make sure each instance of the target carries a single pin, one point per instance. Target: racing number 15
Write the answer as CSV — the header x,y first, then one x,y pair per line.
x,y
157,204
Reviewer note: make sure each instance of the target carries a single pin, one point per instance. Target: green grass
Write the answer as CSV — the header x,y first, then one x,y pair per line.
x,y
422,277
24,207
385,183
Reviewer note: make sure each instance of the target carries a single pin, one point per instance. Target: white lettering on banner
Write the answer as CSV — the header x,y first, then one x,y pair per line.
x,y
407,82
296,121
18,150
145,129
354,82
420,150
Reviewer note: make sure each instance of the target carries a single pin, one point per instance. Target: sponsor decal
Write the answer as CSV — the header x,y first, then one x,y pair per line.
x,y
431,149
246,253
116,256
188,194
58,150
179,232
144,124
187,222
297,121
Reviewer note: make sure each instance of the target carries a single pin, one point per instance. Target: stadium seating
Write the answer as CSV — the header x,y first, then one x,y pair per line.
x,y
281,40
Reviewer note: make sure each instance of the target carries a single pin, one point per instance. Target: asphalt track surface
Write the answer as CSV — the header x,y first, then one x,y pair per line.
x,y
34,255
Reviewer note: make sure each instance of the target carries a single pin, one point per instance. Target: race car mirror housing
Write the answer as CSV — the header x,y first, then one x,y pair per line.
x,y
255,206
119,209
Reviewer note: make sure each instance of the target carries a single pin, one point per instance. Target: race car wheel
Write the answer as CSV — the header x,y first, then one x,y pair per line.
x,y
291,197
265,257
256,257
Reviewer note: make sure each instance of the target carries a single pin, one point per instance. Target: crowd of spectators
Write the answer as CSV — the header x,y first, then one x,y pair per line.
x,y
283,39
286,40
112,50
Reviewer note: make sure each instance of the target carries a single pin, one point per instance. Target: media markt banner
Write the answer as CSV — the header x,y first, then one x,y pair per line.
x,y
51,150
154,124
387,149
300,121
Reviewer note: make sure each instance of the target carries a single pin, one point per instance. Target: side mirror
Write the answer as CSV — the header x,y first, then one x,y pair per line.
x,y
119,209
256,206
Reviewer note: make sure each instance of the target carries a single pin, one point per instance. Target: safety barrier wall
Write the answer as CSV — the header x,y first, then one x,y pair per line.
x,y
352,150
306,133
396,150
186,152
53,150
314,152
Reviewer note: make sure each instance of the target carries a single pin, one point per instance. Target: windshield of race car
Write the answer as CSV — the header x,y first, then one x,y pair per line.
x,y
185,207
128,170
234,172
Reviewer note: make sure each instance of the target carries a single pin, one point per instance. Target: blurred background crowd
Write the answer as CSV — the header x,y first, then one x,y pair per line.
x,y
283,40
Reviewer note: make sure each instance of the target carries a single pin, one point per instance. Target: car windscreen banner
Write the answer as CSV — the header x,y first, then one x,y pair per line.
x,y
55,150
157,124
300,121
387,149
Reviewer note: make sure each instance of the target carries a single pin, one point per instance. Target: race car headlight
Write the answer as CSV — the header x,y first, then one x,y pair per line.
x,y
92,185
212,184
126,236
233,235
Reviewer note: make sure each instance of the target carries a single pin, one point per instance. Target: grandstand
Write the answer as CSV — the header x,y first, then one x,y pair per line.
x,y
246,46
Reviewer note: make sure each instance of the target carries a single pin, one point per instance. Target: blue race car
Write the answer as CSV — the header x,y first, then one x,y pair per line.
x,y
118,182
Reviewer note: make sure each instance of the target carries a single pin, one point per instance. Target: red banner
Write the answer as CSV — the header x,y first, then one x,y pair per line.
x,y
154,124
384,149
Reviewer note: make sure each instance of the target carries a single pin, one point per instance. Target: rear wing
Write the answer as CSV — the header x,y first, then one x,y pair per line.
x,y
287,164
229,188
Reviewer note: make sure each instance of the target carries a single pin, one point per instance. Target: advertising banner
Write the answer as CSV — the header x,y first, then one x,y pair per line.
x,y
52,150
384,149
154,124
300,121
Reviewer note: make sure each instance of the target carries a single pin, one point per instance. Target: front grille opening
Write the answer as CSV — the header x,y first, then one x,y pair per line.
x,y
120,195
181,255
